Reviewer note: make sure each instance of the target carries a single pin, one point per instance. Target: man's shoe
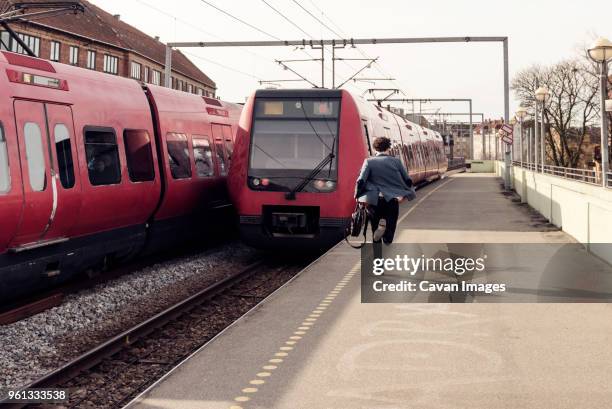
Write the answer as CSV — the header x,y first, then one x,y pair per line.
x,y
380,230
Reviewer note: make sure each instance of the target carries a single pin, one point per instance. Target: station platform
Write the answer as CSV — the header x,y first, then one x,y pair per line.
x,y
314,345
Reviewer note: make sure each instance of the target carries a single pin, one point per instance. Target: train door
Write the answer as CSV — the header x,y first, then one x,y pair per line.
x,y
34,158
63,151
49,209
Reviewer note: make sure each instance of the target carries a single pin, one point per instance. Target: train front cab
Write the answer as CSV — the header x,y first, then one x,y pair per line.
x,y
295,154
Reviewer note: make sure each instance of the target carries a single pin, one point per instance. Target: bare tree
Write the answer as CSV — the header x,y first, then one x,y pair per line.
x,y
571,109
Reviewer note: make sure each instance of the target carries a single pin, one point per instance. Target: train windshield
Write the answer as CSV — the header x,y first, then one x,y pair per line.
x,y
290,138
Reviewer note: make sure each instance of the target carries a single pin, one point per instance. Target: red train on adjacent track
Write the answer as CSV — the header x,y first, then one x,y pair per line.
x,y
298,153
96,168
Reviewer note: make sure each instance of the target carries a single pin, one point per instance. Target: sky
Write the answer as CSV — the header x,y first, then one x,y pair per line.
x,y
539,31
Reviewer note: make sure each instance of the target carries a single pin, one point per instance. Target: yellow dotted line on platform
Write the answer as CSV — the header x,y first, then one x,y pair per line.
x,y
289,345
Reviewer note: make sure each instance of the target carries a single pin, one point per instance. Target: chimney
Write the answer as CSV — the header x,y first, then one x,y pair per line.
x,y
117,16
156,38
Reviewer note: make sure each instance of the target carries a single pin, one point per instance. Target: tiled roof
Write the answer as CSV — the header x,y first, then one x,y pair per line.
x,y
102,26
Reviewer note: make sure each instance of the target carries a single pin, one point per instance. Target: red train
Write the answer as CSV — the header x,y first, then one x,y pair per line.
x,y
96,168
298,153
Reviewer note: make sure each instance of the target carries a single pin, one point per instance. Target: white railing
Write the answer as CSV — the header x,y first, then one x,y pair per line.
x,y
582,175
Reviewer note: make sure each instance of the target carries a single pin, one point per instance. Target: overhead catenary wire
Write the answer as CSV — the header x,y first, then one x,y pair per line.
x,y
316,18
290,22
197,28
251,25
340,33
239,19
222,65
351,67
287,19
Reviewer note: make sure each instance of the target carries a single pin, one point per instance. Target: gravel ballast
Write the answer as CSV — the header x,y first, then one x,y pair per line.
x,y
37,345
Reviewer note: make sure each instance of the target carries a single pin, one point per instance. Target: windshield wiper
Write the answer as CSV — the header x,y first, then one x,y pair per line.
x,y
291,194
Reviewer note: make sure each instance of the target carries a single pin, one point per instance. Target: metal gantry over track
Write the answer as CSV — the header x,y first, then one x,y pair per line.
x,y
320,44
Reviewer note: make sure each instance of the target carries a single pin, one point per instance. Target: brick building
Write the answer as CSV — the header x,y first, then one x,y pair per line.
x,y
100,41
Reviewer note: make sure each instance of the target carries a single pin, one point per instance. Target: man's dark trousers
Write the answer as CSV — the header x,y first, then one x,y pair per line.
x,y
388,211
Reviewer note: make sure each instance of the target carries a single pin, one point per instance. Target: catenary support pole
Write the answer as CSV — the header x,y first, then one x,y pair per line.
x,y
536,136
605,150
472,156
168,70
521,140
543,139
508,153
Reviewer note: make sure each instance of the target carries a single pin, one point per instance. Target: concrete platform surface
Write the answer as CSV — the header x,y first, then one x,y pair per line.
x,y
313,344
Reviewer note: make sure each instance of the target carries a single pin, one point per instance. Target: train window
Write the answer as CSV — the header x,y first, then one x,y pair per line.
x,y
63,149
229,143
139,156
178,156
35,156
202,154
220,150
5,176
221,132
102,156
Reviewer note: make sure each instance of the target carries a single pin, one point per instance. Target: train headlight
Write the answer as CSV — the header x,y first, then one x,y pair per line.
x,y
256,182
324,185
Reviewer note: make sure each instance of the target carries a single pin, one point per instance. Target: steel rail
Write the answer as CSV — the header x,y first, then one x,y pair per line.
x,y
109,348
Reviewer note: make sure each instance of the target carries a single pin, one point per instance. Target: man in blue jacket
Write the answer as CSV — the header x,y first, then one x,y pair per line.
x,y
383,184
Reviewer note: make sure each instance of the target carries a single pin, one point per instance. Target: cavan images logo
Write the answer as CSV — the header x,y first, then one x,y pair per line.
x,y
413,266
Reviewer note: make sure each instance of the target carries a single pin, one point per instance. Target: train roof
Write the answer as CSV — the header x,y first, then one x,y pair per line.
x,y
63,83
299,93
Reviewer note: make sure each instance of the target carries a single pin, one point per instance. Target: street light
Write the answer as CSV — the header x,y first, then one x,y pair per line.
x,y
541,95
521,113
601,53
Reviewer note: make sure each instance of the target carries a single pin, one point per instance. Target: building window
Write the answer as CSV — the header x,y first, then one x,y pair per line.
x,y
9,43
190,88
5,176
156,80
91,59
135,69
146,74
139,156
111,64
202,155
74,55
178,156
64,155
35,156
200,91
54,54
102,156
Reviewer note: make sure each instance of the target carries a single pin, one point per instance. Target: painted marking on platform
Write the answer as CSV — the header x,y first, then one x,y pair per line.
x,y
305,326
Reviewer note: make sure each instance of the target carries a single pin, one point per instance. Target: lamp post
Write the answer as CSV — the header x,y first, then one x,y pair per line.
x,y
601,53
520,114
541,95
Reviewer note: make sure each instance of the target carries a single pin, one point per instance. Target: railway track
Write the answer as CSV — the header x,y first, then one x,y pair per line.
x,y
81,378
53,297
